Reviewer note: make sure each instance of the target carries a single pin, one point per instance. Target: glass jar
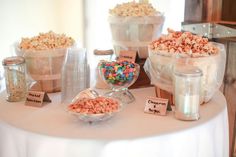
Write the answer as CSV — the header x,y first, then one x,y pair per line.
x,y
100,55
15,78
187,92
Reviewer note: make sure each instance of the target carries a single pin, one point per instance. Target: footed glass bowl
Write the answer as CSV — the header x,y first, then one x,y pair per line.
x,y
120,75
92,118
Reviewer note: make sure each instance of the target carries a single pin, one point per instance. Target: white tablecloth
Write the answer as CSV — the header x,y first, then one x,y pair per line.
x,y
50,131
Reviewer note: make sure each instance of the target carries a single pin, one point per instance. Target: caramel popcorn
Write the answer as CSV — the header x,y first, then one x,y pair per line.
x,y
184,43
98,105
46,41
133,9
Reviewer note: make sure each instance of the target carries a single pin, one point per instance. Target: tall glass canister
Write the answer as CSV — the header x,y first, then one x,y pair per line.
x,y
15,78
187,92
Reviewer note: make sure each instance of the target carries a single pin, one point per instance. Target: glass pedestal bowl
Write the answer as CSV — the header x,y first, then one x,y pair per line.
x,y
119,75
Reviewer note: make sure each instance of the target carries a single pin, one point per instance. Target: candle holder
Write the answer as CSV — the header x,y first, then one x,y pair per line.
x,y
187,92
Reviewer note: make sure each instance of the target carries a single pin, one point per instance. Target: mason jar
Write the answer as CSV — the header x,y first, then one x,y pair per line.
x,y
15,78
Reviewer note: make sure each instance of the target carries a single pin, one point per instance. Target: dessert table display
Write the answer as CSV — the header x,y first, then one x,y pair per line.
x,y
80,121
51,131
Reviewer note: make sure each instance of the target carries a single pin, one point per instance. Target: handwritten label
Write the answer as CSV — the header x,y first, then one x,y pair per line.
x,y
36,98
156,106
127,55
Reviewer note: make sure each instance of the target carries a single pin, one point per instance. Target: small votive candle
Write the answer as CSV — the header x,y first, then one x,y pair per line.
x,y
187,89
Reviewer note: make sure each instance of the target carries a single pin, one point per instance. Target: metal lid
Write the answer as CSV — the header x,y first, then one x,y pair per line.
x,y
15,60
187,71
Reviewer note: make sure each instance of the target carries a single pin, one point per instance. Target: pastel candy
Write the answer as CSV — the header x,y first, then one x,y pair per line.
x,y
118,73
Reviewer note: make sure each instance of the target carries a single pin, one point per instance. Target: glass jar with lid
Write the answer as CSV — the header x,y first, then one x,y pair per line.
x,y
187,92
15,78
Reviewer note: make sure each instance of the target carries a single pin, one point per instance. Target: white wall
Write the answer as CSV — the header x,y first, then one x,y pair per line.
x,y
25,18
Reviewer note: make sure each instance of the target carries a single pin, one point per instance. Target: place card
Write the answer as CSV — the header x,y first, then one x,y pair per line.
x,y
156,106
36,98
127,55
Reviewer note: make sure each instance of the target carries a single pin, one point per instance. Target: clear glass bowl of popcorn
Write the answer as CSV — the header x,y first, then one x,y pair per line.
x,y
94,109
120,75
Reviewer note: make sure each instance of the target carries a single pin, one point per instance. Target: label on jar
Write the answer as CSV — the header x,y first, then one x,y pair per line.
x,y
156,106
127,55
36,98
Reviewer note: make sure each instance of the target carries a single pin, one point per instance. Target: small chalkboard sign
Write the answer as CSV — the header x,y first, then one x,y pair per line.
x,y
127,55
36,98
156,106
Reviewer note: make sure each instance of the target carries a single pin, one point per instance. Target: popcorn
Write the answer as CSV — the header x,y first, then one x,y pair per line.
x,y
46,41
133,9
184,44
97,105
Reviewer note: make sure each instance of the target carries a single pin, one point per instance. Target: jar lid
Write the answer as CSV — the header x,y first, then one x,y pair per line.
x,y
15,60
187,71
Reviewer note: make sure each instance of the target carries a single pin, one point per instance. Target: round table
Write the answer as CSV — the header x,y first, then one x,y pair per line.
x,y
27,131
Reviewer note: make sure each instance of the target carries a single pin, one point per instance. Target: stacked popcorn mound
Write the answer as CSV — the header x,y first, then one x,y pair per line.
x,y
44,56
184,49
46,41
183,44
133,26
133,9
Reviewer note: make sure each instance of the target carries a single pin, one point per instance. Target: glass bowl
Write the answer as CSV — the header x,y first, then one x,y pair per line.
x,y
119,75
87,116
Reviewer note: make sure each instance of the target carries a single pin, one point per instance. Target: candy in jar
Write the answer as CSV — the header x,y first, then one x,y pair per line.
x,y
14,68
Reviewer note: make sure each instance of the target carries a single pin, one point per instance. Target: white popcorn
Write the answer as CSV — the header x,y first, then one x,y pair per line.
x,y
133,9
46,41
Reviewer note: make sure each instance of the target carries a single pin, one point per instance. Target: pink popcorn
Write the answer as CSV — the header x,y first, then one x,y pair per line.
x,y
183,43
94,106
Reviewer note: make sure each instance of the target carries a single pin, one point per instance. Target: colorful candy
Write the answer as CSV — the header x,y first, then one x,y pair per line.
x,y
118,73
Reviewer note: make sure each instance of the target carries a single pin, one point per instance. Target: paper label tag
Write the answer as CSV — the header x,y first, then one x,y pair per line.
x,y
156,106
127,55
36,98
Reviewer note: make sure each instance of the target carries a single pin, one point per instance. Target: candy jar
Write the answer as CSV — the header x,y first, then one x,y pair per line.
x,y
120,75
101,55
15,78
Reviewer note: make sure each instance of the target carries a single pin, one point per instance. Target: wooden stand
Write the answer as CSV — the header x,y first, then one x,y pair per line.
x,y
164,94
143,80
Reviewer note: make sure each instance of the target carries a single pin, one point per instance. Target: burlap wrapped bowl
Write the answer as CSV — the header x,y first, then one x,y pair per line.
x,y
160,70
135,33
44,67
